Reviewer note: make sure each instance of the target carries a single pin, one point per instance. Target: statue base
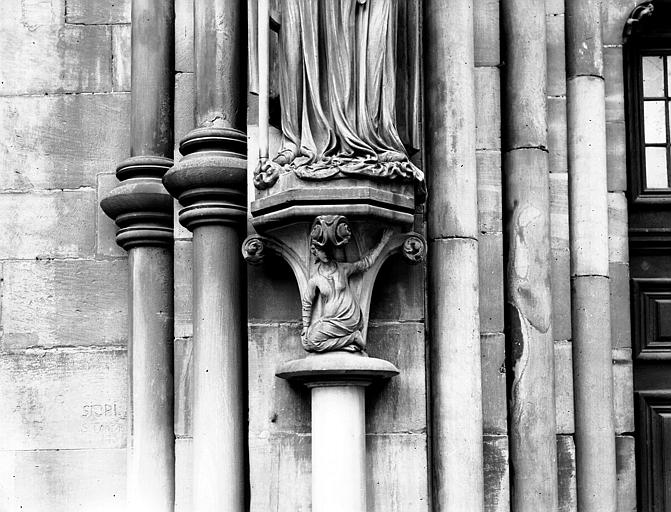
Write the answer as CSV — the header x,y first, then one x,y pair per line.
x,y
338,381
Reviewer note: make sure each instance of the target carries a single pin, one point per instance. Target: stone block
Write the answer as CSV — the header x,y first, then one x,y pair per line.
x,y
183,387
398,405
497,477
625,448
59,303
486,28
620,311
494,401
490,210
55,59
63,480
566,473
272,291
31,14
557,135
184,60
487,108
280,476
54,224
564,387
121,53
180,232
616,133
614,76
63,399
184,106
561,257
99,12
554,7
398,293
106,229
392,485
623,391
490,256
61,142
184,474
183,277
614,14
556,65
618,228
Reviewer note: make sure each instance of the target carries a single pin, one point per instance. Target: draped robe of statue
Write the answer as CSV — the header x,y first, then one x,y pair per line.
x,y
338,88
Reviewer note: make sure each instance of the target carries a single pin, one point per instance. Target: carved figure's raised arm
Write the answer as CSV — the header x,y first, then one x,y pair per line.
x,y
371,256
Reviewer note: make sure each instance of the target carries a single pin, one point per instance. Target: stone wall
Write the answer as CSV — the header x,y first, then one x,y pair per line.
x,y
64,113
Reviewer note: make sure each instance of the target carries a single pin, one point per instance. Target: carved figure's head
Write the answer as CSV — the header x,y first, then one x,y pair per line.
x,y
320,253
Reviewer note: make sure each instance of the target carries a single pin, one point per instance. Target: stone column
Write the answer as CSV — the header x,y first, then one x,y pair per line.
x,y
452,218
338,381
210,184
590,299
142,209
533,448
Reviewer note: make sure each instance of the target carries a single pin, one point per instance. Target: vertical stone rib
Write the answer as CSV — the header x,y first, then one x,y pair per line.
x,y
533,450
141,207
588,212
455,366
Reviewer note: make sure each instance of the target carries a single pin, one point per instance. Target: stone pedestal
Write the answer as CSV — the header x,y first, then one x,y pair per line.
x,y
338,381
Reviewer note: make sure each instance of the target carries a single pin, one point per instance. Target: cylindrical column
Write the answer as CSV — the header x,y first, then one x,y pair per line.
x,y
338,448
219,412
456,395
533,451
142,208
588,214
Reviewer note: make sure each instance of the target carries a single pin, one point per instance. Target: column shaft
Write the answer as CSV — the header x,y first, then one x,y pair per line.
x,y
532,424
588,213
455,366
338,448
151,460
219,412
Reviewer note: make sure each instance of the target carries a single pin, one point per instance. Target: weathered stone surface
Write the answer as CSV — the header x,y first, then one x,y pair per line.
x,y
106,229
612,65
626,473
63,480
63,399
121,57
398,405
54,224
620,319
398,293
616,133
280,473
487,108
184,104
497,480
99,12
618,224
59,303
31,14
554,7
614,14
55,59
490,217
183,387
568,498
265,283
557,136
56,142
183,474
184,60
394,486
564,387
486,29
494,401
623,391
556,67
183,277
561,257
490,256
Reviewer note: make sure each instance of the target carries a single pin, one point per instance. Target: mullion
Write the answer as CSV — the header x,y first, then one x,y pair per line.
x,y
665,61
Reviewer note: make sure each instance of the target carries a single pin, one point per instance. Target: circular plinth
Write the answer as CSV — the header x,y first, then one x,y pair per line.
x,y
336,368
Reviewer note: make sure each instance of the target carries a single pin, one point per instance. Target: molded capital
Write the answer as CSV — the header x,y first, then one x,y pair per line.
x,y
140,205
210,181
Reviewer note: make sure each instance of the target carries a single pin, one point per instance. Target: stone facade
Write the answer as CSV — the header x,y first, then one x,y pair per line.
x,y
64,126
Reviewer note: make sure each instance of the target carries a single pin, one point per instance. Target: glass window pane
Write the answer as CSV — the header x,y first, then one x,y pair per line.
x,y
655,168
654,121
653,76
